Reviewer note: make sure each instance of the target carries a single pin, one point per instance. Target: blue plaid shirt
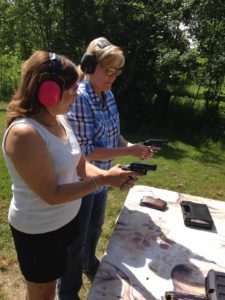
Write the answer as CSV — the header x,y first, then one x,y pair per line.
x,y
94,123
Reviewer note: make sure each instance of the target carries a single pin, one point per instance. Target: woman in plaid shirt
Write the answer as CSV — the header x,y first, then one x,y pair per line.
x,y
95,120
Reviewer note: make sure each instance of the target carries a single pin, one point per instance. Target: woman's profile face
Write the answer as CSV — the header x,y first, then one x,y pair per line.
x,y
63,105
101,80
106,73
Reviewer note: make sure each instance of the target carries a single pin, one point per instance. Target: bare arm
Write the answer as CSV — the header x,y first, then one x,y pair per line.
x,y
87,170
30,156
124,143
125,149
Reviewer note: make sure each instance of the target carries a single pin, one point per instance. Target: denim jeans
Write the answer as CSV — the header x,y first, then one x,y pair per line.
x,y
82,252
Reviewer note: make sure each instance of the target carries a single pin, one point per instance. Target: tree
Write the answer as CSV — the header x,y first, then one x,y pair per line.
x,y
207,25
158,53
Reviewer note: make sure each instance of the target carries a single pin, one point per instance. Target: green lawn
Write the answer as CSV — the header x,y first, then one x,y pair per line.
x,y
6,247
188,167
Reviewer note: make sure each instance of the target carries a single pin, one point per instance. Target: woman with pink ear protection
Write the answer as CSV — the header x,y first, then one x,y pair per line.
x,y
48,171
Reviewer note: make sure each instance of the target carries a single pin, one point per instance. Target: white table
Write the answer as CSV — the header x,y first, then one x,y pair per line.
x,y
151,251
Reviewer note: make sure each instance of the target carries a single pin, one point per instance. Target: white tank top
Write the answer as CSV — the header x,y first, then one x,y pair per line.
x,y
28,212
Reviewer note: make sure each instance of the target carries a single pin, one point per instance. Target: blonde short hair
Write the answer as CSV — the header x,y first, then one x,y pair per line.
x,y
106,53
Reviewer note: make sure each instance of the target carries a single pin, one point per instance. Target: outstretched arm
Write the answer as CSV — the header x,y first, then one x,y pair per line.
x,y
29,154
125,149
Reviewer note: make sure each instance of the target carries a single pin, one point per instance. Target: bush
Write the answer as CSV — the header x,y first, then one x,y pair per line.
x,y
10,65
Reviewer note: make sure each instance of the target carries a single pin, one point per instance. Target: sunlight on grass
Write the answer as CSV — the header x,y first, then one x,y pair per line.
x,y
196,168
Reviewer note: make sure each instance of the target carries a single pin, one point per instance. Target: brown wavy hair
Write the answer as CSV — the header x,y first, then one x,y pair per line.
x,y
25,101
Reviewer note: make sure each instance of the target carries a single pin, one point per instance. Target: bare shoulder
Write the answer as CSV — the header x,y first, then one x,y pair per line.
x,y
22,137
22,129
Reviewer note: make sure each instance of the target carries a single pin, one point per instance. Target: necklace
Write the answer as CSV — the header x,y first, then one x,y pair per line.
x,y
47,125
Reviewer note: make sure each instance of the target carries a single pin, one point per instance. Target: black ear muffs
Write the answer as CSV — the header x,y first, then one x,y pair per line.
x,y
89,61
51,84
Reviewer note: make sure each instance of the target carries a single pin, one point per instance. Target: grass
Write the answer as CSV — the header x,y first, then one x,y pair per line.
x,y
6,248
187,165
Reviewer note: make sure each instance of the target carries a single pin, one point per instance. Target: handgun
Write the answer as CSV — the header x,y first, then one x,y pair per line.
x,y
215,285
156,142
139,168
182,296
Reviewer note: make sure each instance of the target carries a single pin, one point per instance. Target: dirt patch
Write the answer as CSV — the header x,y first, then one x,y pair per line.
x,y
12,284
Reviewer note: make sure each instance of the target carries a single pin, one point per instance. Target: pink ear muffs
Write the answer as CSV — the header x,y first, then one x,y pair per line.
x,y
49,93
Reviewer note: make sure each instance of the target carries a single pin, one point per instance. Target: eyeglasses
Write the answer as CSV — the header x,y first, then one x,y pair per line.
x,y
111,71
72,91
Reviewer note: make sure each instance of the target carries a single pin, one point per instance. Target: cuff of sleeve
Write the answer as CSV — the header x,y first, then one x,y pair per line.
x,y
87,150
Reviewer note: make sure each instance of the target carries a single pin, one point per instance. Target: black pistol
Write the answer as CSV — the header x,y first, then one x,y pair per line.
x,y
156,142
182,296
139,168
215,285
